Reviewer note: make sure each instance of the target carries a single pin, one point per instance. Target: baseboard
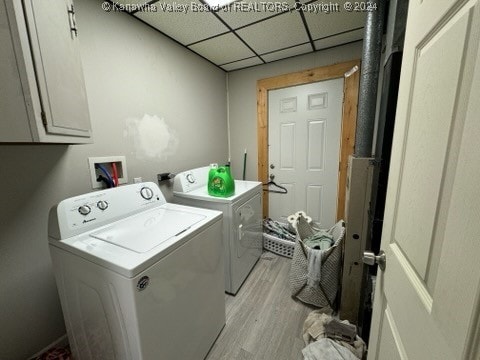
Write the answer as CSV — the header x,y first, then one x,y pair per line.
x,y
61,341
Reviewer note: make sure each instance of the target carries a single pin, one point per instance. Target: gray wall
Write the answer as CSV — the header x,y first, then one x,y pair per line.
x,y
243,99
130,70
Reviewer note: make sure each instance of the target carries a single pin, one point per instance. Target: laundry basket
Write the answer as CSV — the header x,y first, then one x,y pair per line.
x,y
278,238
325,293
278,246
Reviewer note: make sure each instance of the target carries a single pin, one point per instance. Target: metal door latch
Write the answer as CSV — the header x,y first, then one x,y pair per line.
x,y
369,258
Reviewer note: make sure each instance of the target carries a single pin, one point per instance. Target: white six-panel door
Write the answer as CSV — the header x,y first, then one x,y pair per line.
x,y
427,299
304,128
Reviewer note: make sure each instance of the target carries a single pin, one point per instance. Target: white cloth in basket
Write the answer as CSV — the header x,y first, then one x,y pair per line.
x,y
314,267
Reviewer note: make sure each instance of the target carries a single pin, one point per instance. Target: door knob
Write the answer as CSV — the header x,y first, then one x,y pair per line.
x,y
369,258
272,166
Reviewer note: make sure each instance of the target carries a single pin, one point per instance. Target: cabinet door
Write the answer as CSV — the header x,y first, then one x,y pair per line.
x,y
58,66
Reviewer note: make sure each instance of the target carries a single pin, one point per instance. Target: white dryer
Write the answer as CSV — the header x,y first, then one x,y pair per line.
x,y
242,220
138,278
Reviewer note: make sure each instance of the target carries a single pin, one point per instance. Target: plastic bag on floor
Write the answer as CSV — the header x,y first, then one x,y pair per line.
x,y
327,349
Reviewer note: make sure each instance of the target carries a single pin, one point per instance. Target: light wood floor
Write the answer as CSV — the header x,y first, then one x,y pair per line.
x,y
263,321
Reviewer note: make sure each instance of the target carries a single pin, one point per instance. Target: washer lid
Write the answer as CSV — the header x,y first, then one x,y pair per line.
x,y
142,232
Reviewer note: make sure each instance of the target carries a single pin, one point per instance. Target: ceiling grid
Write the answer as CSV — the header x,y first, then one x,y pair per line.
x,y
250,32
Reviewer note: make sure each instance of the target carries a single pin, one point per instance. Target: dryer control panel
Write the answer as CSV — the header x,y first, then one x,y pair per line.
x,y
187,181
81,213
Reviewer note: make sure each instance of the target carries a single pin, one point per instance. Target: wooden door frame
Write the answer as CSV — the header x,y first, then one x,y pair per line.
x,y
350,72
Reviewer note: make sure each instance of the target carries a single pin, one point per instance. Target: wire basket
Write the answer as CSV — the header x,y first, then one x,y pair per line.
x,y
278,246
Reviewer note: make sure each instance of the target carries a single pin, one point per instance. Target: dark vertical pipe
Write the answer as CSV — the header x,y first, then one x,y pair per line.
x,y
372,48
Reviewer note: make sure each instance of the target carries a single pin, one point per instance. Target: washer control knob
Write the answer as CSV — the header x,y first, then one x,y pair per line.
x,y
146,193
84,210
102,205
190,178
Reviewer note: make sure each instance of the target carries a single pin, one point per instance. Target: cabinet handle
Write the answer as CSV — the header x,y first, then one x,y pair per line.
x,y
71,20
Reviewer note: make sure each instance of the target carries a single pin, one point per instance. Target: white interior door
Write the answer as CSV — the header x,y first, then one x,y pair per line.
x,y
427,299
304,128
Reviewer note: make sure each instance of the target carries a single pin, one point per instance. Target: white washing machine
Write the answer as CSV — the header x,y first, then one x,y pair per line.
x,y
138,278
242,220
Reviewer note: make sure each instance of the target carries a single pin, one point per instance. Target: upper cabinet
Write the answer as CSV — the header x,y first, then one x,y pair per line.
x,y
42,91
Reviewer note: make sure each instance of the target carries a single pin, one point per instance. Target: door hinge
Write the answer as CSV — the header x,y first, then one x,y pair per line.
x,y
72,21
44,118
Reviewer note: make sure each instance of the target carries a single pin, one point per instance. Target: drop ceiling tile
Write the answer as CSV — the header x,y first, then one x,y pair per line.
x,y
186,28
242,64
223,49
245,12
276,33
282,54
323,24
339,39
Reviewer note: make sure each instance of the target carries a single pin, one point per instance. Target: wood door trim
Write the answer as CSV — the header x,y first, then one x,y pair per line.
x,y
351,76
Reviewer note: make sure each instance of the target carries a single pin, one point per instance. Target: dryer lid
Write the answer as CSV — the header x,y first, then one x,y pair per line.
x,y
142,232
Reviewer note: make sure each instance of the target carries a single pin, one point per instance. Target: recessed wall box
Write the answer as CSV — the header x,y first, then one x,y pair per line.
x,y
106,162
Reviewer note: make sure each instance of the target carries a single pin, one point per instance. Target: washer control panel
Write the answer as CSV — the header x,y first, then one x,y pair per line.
x,y
80,213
